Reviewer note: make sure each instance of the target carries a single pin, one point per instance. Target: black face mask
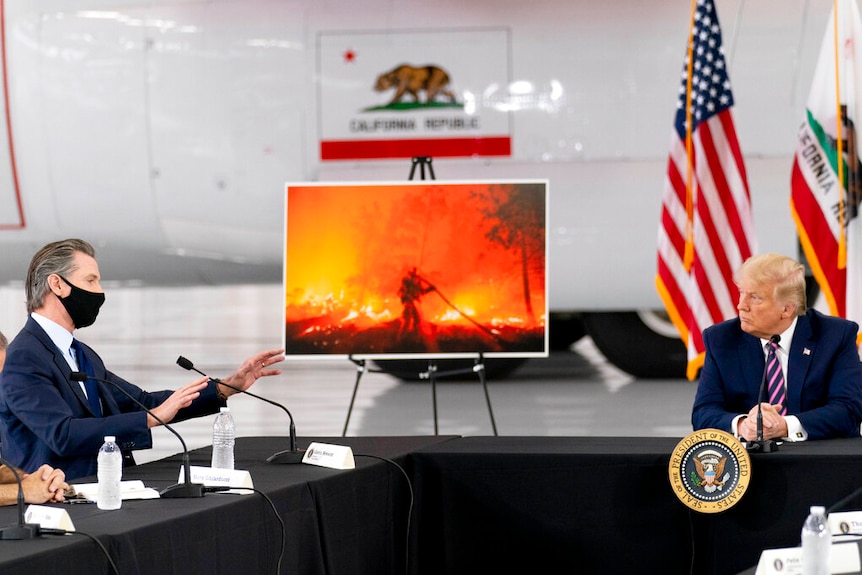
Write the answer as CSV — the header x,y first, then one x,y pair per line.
x,y
82,305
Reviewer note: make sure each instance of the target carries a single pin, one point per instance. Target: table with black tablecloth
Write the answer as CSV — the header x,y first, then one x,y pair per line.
x,y
348,522
604,505
481,505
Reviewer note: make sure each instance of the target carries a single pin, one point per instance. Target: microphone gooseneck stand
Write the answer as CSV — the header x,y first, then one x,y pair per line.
x,y
289,455
185,489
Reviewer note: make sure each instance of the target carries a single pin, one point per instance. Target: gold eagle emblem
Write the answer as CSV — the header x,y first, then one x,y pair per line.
x,y
709,472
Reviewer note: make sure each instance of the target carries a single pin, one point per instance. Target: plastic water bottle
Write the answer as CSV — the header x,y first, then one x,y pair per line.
x,y
110,473
816,542
224,436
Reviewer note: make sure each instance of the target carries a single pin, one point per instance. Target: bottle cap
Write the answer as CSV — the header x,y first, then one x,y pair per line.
x,y
225,410
110,439
818,510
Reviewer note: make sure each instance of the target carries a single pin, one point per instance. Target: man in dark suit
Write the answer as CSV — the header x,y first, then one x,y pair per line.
x,y
47,484
817,354
45,417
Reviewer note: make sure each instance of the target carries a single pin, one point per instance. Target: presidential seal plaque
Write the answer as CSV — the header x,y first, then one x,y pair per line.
x,y
709,470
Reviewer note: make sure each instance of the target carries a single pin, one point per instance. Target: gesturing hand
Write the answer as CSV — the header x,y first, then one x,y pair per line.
x,y
181,398
253,368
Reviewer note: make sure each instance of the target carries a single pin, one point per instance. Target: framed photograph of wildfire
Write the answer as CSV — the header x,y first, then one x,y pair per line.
x,y
416,269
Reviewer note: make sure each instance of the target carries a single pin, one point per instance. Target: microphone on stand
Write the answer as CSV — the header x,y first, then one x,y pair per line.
x,y
21,530
760,444
186,489
290,455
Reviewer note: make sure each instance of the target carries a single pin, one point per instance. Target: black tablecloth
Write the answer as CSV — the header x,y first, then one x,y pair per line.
x,y
346,522
604,505
783,486
482,505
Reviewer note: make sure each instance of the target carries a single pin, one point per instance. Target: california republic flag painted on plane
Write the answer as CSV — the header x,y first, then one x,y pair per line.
x,y
440,93
821,206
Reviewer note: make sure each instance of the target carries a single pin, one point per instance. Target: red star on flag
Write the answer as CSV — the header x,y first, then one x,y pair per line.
x,y
349,56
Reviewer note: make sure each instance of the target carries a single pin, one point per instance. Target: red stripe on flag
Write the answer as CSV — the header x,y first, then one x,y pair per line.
x,y
674,228
733,143
727,203
708,294
819,243
673,234
711,293
675,292
719,166
434,147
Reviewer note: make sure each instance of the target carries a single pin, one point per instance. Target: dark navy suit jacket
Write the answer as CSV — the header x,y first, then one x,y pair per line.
x,y
44,416
824,376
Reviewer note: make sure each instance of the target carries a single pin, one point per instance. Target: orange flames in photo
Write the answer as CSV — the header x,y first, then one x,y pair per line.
x,y
416,268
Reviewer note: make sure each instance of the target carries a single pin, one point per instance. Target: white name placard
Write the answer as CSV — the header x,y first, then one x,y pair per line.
x,y
49,517
328,455
844,558
846,523
237,479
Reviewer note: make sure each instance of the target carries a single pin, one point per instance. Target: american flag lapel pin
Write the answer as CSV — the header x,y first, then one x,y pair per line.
x,y
806,351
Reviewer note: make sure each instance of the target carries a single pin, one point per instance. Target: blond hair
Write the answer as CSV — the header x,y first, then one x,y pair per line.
x,y
784,274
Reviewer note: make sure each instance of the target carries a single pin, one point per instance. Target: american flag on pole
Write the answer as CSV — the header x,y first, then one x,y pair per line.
x,y
706,228
825,192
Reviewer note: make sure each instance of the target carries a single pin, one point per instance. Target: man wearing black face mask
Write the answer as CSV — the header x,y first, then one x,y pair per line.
x,y
45,417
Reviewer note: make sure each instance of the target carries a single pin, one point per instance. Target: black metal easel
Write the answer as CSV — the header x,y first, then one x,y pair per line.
x,y
431,374
421,161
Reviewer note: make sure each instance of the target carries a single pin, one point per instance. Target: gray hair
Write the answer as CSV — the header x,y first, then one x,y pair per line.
x,y
55,258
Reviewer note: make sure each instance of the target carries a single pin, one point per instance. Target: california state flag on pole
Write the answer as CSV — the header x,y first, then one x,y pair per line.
x,y
827,174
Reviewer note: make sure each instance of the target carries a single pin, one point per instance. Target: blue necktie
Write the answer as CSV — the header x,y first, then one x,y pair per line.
x,y
91,385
